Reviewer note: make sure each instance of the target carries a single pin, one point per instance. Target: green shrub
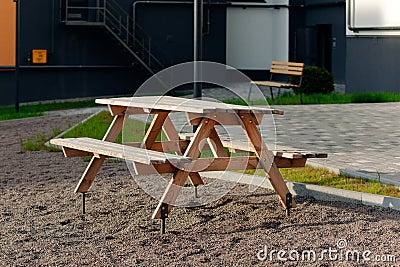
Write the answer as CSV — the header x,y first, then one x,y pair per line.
x,y
316,80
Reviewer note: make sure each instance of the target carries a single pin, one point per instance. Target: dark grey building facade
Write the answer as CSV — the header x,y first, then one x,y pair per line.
x,y
110,47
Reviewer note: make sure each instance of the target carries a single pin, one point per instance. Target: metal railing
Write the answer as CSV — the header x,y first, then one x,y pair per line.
x,y
120,24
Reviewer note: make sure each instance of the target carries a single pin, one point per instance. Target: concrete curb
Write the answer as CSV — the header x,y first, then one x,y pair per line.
x,y
354,174
318,192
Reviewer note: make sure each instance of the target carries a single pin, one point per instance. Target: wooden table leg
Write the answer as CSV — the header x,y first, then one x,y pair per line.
x,y
154,129
266,159
216,145
95,163
179,178
172,135
149,139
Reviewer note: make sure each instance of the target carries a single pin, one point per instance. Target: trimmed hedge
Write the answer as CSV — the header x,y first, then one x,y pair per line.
x,y
317,80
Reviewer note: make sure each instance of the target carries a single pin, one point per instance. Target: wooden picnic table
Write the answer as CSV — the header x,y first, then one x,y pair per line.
x,y
185,162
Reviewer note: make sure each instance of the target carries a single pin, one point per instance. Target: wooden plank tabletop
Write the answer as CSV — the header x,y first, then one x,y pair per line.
x,y
179,104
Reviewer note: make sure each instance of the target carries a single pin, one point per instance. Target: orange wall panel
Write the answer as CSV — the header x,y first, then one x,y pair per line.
x,y
7,33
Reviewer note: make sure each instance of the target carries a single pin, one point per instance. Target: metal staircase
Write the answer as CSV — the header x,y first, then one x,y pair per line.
x,y
110,15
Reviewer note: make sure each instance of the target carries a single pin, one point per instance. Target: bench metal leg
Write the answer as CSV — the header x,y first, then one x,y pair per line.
x,y
83,203
301,96
272,94
164,216
277,97
195,192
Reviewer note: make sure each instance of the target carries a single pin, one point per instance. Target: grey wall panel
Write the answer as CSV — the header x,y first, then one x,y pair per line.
x,y
37,84
171,28
373,64
336,17
305,18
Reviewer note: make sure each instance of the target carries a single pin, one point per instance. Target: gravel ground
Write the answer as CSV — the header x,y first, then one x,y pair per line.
x,y
42,224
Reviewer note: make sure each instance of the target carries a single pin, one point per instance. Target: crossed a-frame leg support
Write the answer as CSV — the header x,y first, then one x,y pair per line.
x,y
266,160
173,189
95,163
172,135
162,121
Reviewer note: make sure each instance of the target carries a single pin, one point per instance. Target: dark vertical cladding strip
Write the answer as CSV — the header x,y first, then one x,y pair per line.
x,y
197,45
17,53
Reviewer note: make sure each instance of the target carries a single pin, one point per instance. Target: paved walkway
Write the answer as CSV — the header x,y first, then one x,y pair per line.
x,y
360,139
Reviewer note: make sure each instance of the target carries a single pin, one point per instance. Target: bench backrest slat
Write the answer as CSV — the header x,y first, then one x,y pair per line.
x,y
287,68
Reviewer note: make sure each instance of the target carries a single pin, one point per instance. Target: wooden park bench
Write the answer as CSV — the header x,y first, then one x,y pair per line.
x,y
286,69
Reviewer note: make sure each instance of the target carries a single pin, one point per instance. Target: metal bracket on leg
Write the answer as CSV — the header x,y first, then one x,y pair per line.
x,y
277,97
83,202
164,216
288,203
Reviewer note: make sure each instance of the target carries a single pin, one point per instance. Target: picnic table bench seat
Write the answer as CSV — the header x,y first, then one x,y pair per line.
x,y
83,146
280,152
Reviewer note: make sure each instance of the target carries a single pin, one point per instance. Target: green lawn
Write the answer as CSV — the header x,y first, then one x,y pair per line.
x,y
95,127
324,177
32,110
333,98
25,111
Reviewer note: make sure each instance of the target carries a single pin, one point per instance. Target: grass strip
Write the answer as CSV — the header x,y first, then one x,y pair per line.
x,y
334,98
324,177
96,127
34,110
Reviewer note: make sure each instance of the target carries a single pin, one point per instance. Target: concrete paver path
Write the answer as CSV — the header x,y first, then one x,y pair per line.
x,y
361,139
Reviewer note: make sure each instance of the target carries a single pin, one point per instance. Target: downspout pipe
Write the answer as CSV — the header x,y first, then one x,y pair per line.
x,y
197,47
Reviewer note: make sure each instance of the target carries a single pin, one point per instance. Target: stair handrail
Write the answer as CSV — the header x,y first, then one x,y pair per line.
x,y
116,19
137,36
